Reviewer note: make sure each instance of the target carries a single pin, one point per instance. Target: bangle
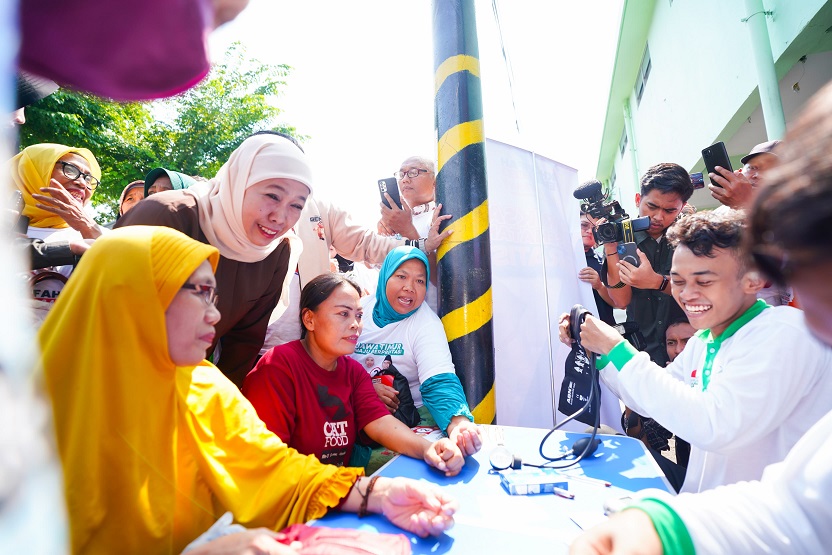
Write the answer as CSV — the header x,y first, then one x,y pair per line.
x,y
365,497
618,285
613,253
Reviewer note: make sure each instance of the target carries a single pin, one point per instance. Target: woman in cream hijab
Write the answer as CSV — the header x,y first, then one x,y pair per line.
x,y
57,182
154,442
247,212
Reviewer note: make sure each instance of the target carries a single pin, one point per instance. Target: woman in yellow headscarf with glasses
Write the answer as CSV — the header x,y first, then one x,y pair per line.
x,y
57,182
155,442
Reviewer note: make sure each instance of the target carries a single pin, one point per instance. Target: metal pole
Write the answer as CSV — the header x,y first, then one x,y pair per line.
x,y
766,76
464,260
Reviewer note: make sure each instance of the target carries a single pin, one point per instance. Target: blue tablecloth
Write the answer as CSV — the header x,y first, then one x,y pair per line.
x,y
490,520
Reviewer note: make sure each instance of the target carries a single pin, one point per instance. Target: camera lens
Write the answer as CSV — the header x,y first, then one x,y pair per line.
x,y
606,233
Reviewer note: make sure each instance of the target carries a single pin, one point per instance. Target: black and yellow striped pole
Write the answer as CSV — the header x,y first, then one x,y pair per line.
x,y
464,259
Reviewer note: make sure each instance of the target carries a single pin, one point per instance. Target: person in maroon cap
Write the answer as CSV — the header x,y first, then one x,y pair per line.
x,y
736,190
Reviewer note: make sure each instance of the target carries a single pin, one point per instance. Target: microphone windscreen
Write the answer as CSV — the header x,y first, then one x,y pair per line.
x,y
588,189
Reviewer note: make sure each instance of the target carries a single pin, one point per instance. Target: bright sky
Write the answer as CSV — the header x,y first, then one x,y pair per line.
x,y
362,83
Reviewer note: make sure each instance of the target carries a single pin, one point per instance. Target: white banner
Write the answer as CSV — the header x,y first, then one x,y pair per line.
x,y
536,253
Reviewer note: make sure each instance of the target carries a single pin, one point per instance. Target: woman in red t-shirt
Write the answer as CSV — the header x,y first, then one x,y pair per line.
x,y
317,399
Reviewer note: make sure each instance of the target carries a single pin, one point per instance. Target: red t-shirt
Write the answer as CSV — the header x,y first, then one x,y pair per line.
x,y
313,410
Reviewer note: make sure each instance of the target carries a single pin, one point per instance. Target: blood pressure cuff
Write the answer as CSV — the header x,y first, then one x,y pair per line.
x,y
577,385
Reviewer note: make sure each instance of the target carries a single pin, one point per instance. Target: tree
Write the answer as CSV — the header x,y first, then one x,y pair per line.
x,y
115,133
214,117
194,132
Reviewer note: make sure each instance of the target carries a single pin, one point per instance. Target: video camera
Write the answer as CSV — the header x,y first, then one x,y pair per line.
x,y
619,227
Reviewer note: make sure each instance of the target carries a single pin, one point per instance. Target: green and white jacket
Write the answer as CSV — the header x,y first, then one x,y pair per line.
x,y
742,399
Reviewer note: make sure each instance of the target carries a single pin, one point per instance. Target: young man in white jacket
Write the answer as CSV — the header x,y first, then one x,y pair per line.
x,y
789,509
747,386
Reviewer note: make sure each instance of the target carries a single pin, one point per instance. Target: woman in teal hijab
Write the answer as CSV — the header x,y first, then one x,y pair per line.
x,y
160,179
404,327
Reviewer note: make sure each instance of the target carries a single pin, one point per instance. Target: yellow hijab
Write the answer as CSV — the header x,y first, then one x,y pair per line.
x,y
32,169
105,359
152,452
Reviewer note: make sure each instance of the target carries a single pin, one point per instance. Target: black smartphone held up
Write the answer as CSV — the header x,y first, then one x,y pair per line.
x,y
390,186
716,155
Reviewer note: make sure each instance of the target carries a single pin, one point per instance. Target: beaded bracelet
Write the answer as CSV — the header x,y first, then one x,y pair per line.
x,y
365,497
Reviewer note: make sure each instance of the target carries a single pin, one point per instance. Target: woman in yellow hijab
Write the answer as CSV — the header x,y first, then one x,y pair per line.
x,y
155,443
57,182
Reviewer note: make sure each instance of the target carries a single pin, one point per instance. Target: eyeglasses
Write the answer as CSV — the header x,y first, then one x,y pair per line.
x,y
207,292
73,172
410,173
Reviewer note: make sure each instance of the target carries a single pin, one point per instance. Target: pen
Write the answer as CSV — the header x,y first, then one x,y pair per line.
x,y
563,493
588,479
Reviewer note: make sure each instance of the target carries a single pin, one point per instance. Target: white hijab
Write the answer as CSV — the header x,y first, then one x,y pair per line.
x,y
220,200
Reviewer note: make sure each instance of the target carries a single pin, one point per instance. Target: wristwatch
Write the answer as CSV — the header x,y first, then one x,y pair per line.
x,y
418,243
665,281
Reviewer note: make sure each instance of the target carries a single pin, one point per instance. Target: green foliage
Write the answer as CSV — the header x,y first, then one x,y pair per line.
x,y
115,133
213,118
194,132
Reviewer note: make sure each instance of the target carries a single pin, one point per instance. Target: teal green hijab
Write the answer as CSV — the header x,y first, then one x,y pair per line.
x,y
178,180
383,313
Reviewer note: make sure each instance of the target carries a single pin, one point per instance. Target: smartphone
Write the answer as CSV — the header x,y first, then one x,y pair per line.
x,y
390,186
716,155
698,180
628,252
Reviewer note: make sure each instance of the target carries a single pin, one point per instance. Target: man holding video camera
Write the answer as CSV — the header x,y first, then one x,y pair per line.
x,y
643,288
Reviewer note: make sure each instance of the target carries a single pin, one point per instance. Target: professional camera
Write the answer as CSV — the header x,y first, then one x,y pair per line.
x,y
619,227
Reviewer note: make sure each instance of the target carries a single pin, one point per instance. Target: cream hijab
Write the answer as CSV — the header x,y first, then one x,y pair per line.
x,y
220,200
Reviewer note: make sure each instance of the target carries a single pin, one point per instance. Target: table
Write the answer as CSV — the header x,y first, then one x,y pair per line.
x,y
490,520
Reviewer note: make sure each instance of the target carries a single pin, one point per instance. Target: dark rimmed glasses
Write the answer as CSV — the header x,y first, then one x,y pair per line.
x,y
208,293
73,172
411,173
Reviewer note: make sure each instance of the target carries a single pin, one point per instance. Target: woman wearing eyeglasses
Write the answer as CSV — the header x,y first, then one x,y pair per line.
x,y
247,212
154,442
57,182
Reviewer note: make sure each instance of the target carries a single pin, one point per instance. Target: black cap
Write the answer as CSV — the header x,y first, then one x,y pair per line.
x,y
762,148
31,88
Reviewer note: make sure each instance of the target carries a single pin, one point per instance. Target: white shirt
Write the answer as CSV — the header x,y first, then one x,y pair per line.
x,y
418,345
787,511
421,222
767,388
